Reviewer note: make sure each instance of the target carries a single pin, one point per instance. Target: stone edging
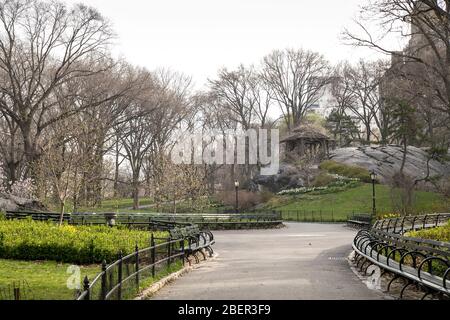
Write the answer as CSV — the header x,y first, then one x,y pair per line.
x,y
148,293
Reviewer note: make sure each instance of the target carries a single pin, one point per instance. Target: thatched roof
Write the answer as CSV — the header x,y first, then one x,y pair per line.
x,y
307,134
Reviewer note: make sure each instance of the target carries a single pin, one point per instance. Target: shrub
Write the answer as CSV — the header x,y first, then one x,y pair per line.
x,y
438,234
346,170
323,180
386,216
247,199
31,241
266,196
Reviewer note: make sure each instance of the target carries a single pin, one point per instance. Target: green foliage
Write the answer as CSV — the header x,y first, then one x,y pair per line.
x,y
342,127
345,170
408,126
438,234
30,240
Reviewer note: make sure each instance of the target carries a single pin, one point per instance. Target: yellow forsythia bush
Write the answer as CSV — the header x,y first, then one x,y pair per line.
x,y
31,240
438,234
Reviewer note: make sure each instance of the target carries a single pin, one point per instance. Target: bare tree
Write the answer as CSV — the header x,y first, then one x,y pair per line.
x,y
297,79
43,45
235,91
344,99
365,81
425,60
116,89
61,164
136,134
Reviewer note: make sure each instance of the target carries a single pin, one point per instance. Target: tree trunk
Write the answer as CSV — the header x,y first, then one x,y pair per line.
x,y
136,197
30,152
405,151
174,202
116,172
136,191
61,212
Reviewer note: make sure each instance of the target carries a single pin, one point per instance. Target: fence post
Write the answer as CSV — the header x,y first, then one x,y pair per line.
x,y
169,252
16,293
182,251
86,288
298,216
152,244
332,215
321,217
104,290
119,289
137,267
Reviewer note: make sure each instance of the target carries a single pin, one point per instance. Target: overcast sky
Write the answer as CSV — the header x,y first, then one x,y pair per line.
x,y
198,37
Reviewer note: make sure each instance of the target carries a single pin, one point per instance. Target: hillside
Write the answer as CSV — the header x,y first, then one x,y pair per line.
x,y
337,206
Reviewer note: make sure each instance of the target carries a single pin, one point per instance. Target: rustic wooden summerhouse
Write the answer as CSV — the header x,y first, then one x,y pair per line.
x,y
306,141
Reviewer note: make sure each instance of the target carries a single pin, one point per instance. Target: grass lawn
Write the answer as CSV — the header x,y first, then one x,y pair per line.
x,y
46,280
125,206
113,205
338,206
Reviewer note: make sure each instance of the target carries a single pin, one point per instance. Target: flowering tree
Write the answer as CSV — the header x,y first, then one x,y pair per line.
x,y
22,188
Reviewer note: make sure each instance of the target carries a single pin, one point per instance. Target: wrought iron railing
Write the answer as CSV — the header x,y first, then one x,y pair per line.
x,y
123,278
150,220
402,225
419,261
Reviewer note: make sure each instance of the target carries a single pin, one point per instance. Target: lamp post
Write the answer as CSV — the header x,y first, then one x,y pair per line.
x,y
236,185
373,177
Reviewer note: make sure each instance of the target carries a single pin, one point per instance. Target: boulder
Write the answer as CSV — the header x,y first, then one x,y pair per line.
x,y
288,177
9,202
387,160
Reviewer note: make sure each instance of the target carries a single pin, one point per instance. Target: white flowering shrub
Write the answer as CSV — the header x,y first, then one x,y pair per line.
x,y
340,183
303,190
23,189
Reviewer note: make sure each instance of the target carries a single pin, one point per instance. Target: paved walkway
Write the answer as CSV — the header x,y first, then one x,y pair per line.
x,y
302,261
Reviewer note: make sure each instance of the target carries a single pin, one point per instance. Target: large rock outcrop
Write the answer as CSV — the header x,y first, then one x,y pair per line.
x,y
387,161
9,202
288,177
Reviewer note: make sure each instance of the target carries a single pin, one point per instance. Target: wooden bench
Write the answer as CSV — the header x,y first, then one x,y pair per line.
x,y
359,220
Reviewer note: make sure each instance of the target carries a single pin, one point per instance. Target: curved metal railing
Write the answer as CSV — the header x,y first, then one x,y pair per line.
x,y
148,220
123,278
409,223
419,261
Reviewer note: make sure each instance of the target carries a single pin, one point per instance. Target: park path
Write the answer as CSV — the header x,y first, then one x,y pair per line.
x,y
299,262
